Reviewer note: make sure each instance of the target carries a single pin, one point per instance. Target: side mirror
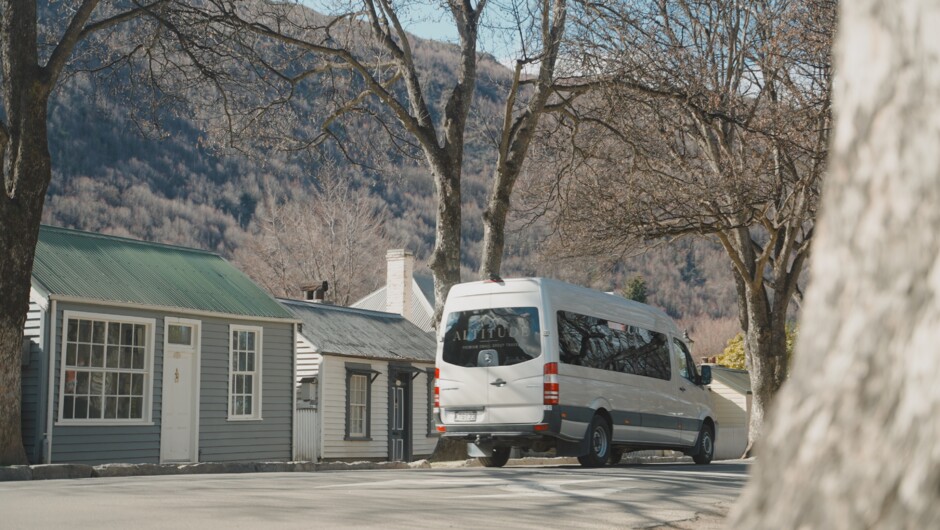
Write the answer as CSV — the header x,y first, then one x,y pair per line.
x,y
706,377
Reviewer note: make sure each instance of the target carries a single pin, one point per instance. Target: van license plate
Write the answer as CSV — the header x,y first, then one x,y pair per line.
x,y
466,415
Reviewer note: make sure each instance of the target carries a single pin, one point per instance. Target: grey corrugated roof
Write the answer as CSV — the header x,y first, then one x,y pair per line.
x,y
422,307
426,284
737,380
116,269
361,333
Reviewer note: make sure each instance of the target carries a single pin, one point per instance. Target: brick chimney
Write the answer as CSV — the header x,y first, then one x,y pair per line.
x,y
398,281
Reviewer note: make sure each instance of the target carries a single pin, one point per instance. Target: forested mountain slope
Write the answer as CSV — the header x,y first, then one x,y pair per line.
x,y
114,173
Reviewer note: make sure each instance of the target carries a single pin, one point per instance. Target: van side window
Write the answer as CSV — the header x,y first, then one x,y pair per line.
x,y
684,361
598,343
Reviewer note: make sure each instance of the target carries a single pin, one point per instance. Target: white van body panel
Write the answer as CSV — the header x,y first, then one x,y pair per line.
x,y
643,411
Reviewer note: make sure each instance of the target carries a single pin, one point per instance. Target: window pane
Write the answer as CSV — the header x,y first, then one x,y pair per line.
x,y
250,361
81,407
98,329
124,384
70,357
178,334
84,354
82,387
110,407
140,335
111,384
127,334
94,407
248,405
97,356
124,405
127,357
250,340
137,408
138,360
242,340
114,357
114,333
84,331
72,334
68,408
137,384
97,383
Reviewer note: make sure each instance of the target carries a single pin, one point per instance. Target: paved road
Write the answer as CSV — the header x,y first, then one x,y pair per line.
x,y
512,497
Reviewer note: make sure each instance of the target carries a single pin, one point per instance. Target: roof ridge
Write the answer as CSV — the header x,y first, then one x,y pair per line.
x,y
123,239
347,309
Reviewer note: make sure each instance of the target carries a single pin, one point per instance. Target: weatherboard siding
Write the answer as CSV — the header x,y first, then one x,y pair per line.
x,y
33,366
308,361
423,442
269,439
333,412
730,407
220,440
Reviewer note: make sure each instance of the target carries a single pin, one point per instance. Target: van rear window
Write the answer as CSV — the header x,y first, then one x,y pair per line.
x,y
492,337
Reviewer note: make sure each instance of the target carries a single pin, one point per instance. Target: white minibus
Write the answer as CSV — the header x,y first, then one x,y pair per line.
x,y
541,364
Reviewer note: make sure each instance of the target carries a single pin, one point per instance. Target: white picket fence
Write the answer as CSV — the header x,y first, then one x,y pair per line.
x,y
307,434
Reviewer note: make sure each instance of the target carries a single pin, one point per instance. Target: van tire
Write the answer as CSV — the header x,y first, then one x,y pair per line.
x,y
499,458
598,438
705,446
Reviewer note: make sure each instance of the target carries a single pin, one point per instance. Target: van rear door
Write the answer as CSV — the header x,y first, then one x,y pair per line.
x,y
491,367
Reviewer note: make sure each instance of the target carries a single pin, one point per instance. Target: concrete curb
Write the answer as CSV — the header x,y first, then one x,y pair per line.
x,y
72,471
69,471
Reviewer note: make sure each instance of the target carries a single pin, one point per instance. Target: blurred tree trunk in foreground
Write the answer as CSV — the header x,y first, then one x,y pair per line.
x,y
853,440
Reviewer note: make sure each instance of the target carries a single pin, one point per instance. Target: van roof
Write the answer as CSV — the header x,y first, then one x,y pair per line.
x,y
585,297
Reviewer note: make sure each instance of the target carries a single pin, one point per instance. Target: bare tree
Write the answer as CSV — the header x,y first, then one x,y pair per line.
x,y
175,46
717,126
31,69
301,238
853,441
365,45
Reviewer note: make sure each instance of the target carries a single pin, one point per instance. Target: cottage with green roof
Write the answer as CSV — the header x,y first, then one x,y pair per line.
x,y
147,353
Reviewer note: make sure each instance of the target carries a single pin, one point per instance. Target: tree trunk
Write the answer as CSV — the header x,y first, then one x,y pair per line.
x,y
853,442
26,169
765,348
494,226
445,260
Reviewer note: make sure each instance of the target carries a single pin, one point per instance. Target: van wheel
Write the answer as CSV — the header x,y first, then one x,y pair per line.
x,y
705,447
598,443
499,458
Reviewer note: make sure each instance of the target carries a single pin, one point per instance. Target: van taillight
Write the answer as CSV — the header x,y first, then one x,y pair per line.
x,y
550,384
437,388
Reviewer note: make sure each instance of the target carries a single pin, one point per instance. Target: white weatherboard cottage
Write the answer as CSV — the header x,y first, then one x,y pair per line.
x,y
731,399
374,373
144,353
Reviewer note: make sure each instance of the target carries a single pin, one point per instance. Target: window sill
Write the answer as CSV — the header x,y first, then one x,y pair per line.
x,y
237,419
102,423
357,438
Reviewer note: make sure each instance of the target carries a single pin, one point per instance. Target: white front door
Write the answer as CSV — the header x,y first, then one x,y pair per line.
x,y
179,423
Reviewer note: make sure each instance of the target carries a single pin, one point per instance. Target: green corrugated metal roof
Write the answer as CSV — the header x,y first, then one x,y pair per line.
x,y
116,269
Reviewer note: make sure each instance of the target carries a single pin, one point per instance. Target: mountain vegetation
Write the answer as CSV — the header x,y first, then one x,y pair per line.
x,y
115,172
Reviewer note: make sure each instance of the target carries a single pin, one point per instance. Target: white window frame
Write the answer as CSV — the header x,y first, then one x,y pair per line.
x,y
150,325
363,407
256,374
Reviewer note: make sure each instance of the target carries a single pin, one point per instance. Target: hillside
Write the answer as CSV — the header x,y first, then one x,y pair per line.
x,y
114,173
